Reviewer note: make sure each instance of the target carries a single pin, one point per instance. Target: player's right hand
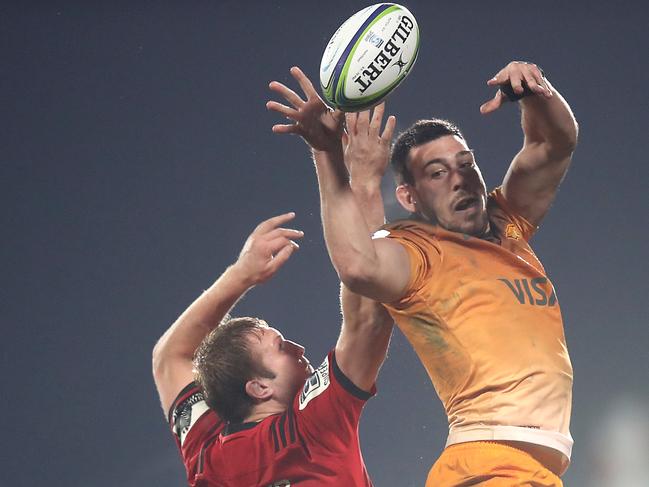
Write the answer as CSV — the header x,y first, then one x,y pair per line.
x,y
367,150
315,122
267,248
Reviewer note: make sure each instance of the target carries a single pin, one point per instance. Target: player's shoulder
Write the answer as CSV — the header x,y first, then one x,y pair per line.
x,y
505,220
329,378
190,415
406,228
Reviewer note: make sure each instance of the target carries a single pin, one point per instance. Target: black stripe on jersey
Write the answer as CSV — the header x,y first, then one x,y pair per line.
x,y
274,434
352,388
291,424
282,433
207,443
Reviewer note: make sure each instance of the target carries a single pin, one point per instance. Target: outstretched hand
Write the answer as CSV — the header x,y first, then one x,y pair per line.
x,y
315,122
267,249
520,75
366,149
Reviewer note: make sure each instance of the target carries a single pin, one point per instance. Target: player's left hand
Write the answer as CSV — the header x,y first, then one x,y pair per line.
x,y
519,74
315,122
366,149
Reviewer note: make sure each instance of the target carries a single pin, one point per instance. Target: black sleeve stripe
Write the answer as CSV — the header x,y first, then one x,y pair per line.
x,y
274,432
347,384
179,398
282,432
291,424
208,442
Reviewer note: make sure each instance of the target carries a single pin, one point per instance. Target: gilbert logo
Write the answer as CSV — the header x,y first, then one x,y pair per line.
x,y
512,231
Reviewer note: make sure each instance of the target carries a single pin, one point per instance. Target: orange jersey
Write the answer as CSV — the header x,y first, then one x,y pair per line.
x,y
485,322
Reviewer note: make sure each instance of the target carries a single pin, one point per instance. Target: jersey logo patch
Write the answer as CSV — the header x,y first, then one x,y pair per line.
x,y
511,231
315,385
281,483
187,413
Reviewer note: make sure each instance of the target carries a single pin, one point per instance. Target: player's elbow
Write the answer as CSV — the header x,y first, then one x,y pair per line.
x,y
158,358
566,139
355,276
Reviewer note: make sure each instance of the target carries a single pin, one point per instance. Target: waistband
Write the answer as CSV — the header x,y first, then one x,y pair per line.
x,y
551,439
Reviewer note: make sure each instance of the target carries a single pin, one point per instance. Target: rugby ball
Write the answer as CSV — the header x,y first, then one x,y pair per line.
x,y
369,56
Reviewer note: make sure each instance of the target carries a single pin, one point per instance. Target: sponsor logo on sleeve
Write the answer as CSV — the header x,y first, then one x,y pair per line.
x,y
187,413
315,385
511,231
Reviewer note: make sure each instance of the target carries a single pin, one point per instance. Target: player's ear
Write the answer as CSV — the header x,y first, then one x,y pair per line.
x,y
406,198
259,389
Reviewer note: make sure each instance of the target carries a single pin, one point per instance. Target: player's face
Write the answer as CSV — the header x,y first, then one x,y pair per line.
x,y
287,361
448,187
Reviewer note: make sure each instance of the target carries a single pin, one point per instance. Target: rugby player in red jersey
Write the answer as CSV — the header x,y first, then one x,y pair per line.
x,y
245,405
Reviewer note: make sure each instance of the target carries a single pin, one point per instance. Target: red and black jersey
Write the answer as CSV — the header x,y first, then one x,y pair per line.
x,y
314,443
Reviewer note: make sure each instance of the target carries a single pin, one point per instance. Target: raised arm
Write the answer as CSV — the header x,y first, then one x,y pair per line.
x,y
378,269
550,131
267,248
367,326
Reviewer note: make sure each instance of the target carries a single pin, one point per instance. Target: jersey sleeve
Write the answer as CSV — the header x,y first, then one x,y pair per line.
x,y
423,256
328,408
193,425
526,229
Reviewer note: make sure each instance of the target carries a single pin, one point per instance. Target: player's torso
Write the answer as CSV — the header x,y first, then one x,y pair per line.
x,y
272,454
487,327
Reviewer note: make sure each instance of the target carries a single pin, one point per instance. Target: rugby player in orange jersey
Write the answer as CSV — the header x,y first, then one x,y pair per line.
x,y
461,280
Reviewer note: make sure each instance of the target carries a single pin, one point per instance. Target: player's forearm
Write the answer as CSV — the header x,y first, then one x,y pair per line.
x,y
549,121
345,229
202,316
361,313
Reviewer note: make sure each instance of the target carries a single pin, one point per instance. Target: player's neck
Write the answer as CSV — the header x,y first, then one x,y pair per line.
x,y
263,410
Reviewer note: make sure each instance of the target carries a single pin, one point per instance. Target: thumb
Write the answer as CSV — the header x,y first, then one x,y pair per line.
x,y
493,104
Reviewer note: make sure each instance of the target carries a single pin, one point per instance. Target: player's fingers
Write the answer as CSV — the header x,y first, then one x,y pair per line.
x,y
350,121
274,222
345,141
493,104
516,80
363,122
499,78
388,131
288,112
533,84
377,118
280,258
290,96
305,83
275,245
537,76
284,233
286,129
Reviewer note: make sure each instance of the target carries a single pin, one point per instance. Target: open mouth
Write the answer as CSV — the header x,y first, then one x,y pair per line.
x,y
466,203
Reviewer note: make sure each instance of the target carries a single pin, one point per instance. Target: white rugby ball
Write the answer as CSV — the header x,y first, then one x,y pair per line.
x,y
369,56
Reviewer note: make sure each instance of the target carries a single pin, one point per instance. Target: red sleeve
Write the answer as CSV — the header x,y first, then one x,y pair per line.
x,y
194,426
328,407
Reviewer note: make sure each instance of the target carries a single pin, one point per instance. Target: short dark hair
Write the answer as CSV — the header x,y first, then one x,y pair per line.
x,y
224,364
418,133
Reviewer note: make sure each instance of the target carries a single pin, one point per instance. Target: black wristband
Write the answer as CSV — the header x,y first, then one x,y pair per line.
x,y
511,95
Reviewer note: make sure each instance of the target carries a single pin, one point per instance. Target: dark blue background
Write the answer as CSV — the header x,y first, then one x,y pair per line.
x,y
136,155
